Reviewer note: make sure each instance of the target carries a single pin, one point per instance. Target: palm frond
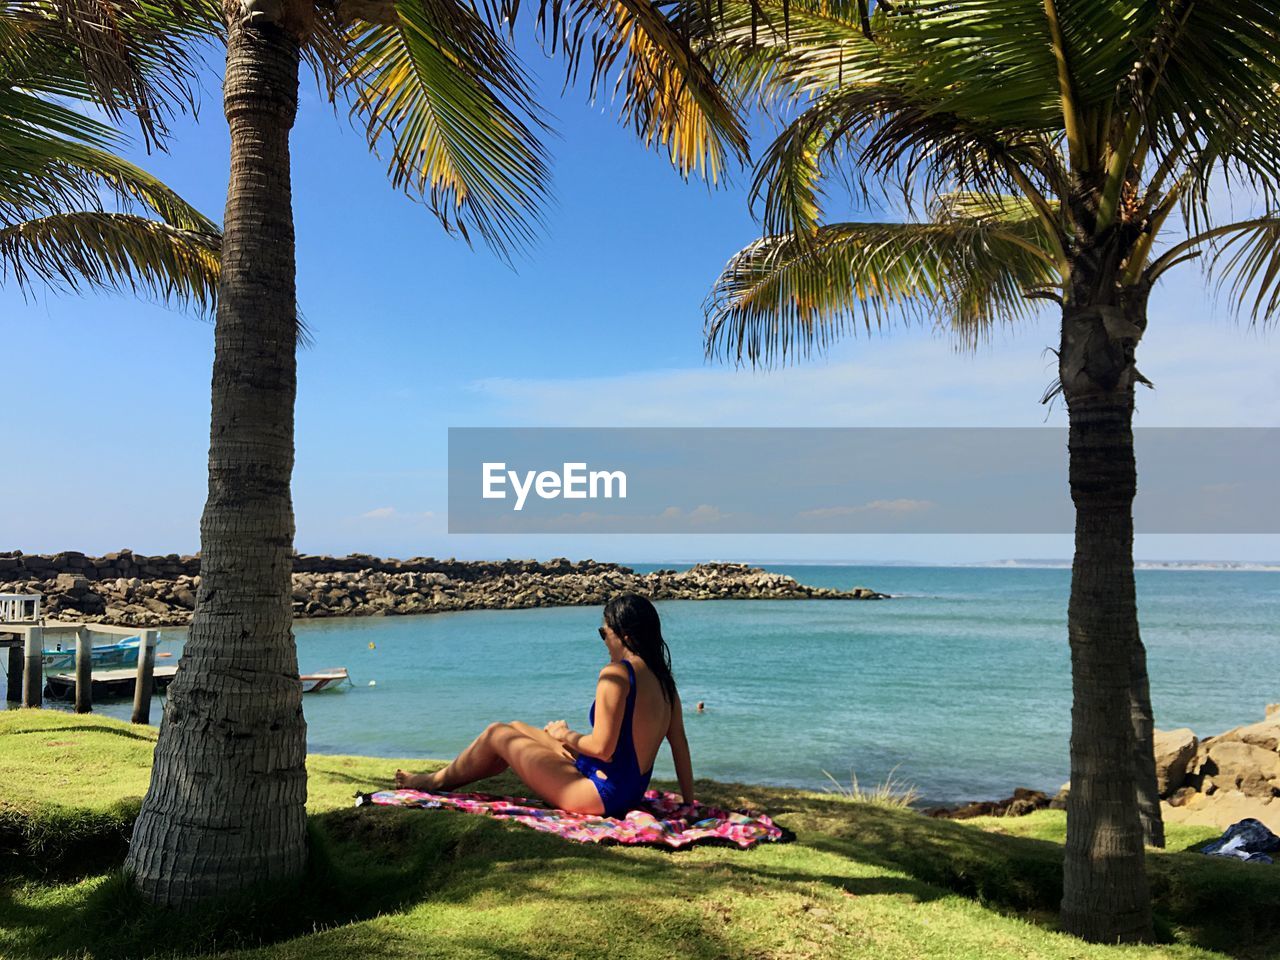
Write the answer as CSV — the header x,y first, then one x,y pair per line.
x,y
640,52
789,175
35,137
780,50
1009,209
669,97
884,139
454,107
785,295
1207,89
134,186
987,61
113,250
52,158
136,57
1245,258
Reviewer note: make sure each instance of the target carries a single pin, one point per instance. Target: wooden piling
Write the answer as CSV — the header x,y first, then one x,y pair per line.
x,y
33,672
84,671
146,673
14,691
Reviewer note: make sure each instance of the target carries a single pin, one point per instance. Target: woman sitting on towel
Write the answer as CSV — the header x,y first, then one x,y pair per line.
x,y
606,771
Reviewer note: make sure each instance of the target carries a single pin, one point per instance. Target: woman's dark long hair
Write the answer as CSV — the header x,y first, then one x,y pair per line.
x,y
634,619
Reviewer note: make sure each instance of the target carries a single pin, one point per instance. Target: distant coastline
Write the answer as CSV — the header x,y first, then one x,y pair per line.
x,y
1247,566
1251,566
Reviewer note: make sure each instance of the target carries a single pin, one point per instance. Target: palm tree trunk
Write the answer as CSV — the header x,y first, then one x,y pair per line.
x,y
226,806
1144,753
1105,893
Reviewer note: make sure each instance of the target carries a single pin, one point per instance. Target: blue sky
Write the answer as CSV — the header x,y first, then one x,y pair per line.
x,y
599,325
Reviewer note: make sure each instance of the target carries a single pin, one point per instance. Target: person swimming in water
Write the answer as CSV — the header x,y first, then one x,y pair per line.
x,y
606,771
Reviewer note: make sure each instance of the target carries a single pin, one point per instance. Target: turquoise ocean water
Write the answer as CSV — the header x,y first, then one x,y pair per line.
x,y
961,682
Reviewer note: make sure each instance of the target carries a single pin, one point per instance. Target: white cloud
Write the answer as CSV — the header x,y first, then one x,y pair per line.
x,y
1208,370
894,507
700,515
391,513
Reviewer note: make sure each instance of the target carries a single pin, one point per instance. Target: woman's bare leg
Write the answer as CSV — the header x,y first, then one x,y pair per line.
x,y
479,760
548,771
543,737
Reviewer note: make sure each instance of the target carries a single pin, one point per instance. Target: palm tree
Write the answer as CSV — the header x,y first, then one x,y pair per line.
x,y
57,169
435,84
1041,150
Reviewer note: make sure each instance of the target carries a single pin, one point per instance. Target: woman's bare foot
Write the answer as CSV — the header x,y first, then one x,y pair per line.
x,y
416,781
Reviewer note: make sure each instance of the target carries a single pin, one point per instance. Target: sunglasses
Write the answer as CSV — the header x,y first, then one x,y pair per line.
x,y
600,630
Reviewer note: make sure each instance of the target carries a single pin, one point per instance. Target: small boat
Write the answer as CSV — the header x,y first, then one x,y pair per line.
x,y
315,682
121,654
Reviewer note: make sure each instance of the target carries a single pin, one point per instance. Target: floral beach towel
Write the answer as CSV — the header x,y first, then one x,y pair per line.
x,y
661,819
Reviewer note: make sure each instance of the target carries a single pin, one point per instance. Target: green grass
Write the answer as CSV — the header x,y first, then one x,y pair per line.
x,y
860,879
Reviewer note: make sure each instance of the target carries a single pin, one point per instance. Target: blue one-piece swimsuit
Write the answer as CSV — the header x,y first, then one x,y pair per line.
x,y
619,781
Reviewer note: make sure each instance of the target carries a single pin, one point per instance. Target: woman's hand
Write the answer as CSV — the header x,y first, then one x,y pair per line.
x,y
557,729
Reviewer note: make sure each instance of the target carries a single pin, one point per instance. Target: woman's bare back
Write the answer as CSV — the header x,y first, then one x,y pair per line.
x,y
652,716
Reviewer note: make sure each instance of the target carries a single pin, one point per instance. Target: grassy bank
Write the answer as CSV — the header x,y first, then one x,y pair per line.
x,y
859,880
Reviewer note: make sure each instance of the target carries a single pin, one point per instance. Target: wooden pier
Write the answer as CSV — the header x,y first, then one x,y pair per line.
x,y
106,683
18,609
25,642
23,633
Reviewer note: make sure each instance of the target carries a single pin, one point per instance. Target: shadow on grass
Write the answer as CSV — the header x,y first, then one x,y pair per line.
x,y
115,921
369,863
366,785
372,861
1213,903
1219,905
55,844
112,731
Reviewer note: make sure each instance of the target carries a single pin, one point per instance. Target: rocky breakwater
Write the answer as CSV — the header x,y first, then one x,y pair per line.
x,y
129,588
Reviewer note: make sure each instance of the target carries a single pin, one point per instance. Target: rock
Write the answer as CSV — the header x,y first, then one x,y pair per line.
x,y
1183,796
1223,809
1059,801
92,603
1264,734
70,583
866,593
1236,765
980,808
1022,802
1025,801
1174,751
155,606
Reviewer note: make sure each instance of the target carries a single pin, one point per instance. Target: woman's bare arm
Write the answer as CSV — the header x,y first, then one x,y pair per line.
x,y
611,704
680,751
